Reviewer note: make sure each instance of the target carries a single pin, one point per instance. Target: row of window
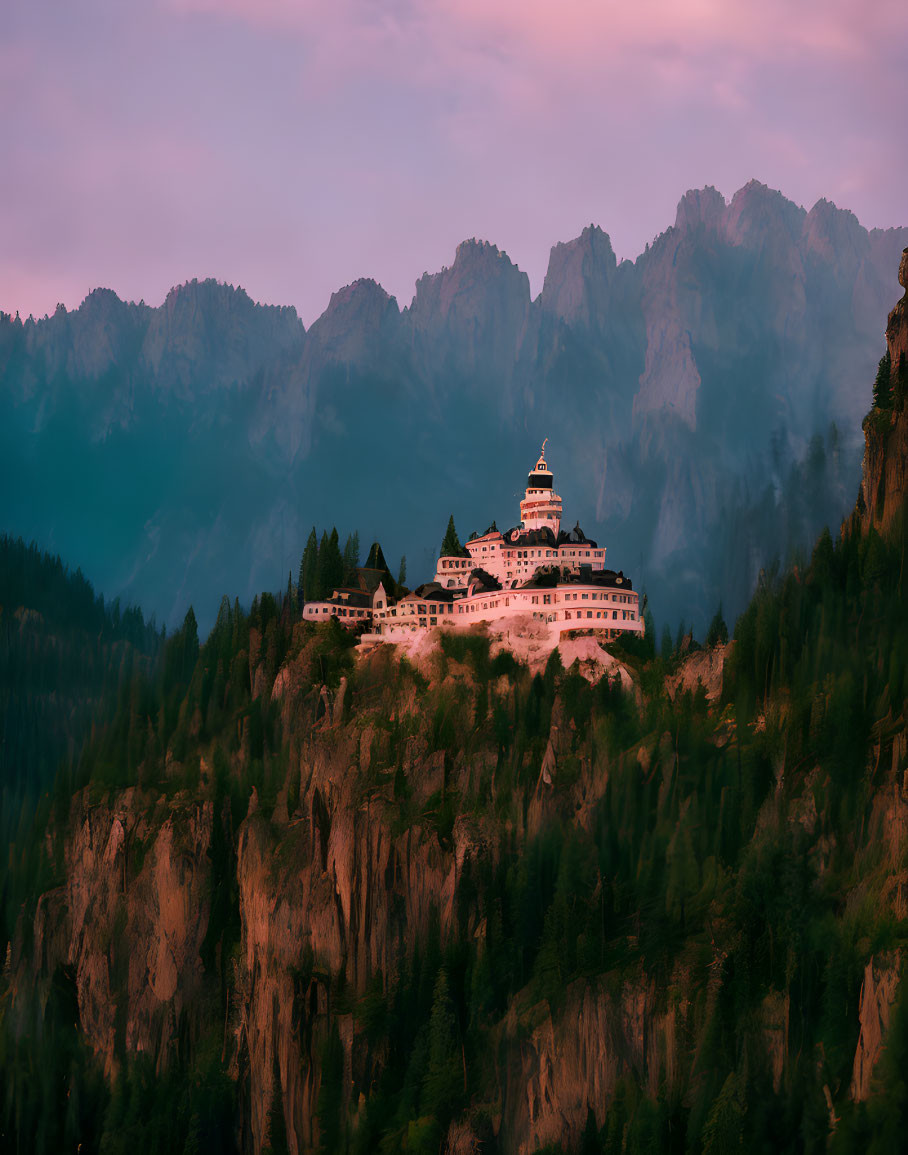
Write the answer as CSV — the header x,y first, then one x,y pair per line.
x,y
509,554
626,615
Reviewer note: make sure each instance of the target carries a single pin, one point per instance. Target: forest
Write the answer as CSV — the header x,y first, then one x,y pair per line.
x,y
731,856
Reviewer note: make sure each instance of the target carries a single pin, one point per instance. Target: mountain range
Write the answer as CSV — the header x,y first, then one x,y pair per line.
x,y
701,405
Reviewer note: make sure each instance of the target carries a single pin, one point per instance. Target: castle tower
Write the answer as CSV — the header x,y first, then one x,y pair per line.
x,y
541,508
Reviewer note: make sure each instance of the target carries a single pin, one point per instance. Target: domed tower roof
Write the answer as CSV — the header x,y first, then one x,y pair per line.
x,y
540,476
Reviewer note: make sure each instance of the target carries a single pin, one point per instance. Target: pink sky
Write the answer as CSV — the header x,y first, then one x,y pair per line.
x,y
291,146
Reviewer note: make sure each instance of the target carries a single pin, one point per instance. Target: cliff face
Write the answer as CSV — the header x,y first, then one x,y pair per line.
x,y
130,920
884,481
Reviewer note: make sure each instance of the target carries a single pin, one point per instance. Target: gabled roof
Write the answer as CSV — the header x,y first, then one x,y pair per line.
x,y
370,579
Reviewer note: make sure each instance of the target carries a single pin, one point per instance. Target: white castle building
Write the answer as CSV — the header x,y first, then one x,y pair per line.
x,y
535,569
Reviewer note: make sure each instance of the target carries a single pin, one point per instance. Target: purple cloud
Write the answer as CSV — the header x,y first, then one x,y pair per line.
x,y
292,147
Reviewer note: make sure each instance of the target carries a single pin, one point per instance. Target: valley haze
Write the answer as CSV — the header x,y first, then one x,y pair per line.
x,y
701,403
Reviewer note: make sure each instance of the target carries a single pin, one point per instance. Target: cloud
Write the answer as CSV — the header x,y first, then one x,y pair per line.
x,y
293,146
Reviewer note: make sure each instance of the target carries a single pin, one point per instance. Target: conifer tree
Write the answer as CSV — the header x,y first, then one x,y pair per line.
x,y
451,546
351,555
402,572
718,630
190,634
321,577
443,1080
882,386
308,568
334,563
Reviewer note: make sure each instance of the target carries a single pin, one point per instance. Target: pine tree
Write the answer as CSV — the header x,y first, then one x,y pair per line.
x,y
443,1082
724,1127
308,569
402,572
334,563
718,630
321,577
882,386
190,634
451,546
351,556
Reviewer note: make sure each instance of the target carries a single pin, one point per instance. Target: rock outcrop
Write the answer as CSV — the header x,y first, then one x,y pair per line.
x,y
884,481
878,993
130,920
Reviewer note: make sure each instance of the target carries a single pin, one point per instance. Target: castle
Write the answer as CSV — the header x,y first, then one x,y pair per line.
x,y
535,570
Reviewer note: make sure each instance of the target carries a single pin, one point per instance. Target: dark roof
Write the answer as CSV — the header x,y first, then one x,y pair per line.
x,y
369,579
549,576
575,536
546,537
483,581
354,597
524,537
433,592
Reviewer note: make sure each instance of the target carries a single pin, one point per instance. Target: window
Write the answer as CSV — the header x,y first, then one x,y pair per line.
x,y
589,613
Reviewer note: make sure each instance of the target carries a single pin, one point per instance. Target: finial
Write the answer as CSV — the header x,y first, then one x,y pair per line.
x,y
544,444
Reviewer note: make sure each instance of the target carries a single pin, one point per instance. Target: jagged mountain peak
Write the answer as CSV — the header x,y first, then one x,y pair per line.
x,y
364,291
835,234
215,334
700,207
757,211
356,313
479,268
474,261
578,277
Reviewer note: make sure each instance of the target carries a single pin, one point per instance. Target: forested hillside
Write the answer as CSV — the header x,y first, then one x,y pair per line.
x,y
294,898
65,657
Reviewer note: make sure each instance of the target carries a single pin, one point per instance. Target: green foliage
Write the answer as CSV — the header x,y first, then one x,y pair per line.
x,y
882,385
443,1083
308,576
723,854
450,546
351,556
724,1130
718,631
